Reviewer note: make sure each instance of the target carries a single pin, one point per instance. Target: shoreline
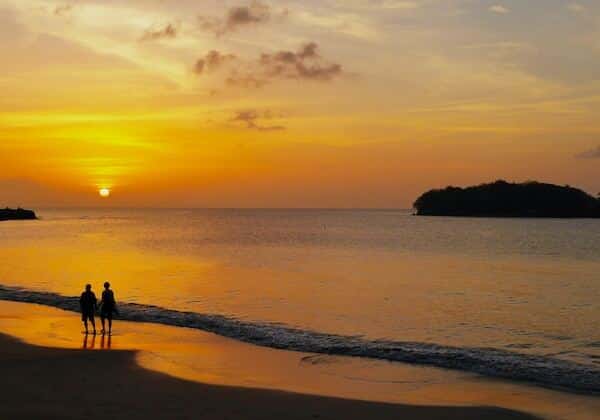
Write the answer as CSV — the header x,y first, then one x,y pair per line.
x,y
534,370
199,358
94,385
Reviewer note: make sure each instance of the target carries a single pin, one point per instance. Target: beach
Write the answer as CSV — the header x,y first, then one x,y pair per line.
x,y
98,385
152,371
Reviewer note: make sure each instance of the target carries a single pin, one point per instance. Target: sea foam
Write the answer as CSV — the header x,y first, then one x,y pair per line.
x,y
541,370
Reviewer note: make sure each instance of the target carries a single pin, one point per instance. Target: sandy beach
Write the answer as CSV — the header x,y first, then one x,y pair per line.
x,y
153,371
98,385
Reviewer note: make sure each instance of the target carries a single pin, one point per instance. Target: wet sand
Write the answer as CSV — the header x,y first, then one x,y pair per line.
x,y
41,382
155,371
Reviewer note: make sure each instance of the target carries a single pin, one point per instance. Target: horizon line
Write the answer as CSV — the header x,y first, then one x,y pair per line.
x,y
215,208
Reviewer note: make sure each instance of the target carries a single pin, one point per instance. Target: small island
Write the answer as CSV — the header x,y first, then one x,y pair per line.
x,y
17,214
505,199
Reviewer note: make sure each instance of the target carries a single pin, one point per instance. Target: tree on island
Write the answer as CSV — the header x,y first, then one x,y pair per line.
x,y
17,214
504,199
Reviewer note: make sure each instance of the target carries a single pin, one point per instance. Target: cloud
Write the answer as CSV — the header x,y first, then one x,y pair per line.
x,y
304,64
237,17
499,9
62,10
590,154
396,5
244,80
213,60
166,32
245,15
249,117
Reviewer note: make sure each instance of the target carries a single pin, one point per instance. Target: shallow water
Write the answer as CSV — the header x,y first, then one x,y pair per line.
x,y
527,286
199,356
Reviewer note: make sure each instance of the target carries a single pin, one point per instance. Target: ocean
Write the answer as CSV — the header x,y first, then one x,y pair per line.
x,y
511,298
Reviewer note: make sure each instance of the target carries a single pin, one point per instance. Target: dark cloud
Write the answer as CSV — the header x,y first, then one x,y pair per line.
x,y
306,63
250,118
238,17
212,61
245,15
63,10
166,32
590,154
244,80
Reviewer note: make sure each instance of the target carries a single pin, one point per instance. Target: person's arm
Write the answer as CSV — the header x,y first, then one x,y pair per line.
x,y
114,303
81,302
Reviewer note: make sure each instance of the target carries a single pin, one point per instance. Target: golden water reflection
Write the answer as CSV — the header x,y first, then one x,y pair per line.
x,y
89,341
89,345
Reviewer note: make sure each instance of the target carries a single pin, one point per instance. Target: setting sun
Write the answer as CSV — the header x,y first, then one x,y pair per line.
x,y
104,192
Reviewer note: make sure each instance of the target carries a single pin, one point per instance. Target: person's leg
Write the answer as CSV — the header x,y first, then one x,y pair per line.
x,y
102,319
85,324
110,323
93,321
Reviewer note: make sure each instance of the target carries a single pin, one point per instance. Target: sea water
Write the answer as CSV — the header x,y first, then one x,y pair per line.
x,y
514,298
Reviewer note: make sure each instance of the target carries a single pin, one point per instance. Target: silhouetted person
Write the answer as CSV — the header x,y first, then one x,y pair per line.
x,y
88,304
108,306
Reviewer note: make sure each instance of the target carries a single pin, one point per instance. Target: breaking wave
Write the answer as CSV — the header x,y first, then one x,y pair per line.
x,y
541,370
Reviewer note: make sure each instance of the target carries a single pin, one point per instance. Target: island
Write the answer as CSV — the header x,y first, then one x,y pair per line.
x,y
17,214
505,199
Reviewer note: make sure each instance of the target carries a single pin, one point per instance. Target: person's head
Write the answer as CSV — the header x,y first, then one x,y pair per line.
x,y
88,287
106,285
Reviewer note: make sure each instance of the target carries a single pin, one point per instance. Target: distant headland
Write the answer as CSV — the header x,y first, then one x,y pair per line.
x,y
504,199
17,214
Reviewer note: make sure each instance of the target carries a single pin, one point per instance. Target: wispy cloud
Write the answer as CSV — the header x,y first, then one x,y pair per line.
x,y
63,9
250,119
397,4
499,9
154,34
304,64
213,60
237,17
244,80
353,23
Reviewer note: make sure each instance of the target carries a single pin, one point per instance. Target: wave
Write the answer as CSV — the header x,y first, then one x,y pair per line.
x,y
541,370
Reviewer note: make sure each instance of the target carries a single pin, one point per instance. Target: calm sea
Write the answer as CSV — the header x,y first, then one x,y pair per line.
x,y
505,297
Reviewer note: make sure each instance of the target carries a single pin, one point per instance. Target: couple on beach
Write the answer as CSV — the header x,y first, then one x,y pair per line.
x,y
89,305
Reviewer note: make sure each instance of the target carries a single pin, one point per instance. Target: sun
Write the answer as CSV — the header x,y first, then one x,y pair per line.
x,y
104,192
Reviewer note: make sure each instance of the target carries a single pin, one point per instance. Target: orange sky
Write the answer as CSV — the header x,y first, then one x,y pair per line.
x,y
331,103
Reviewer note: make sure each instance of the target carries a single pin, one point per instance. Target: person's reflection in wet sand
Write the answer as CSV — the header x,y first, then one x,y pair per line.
x,y
102,343
91,344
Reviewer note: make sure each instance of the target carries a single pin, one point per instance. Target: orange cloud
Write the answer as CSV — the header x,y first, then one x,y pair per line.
x,y
250,118
236,17
304,64
212,61
168,31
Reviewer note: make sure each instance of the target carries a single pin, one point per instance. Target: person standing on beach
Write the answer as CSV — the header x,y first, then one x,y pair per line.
x,y
108,305
87,303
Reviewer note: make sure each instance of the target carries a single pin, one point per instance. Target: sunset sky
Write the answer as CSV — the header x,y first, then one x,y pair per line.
x,y
329,103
